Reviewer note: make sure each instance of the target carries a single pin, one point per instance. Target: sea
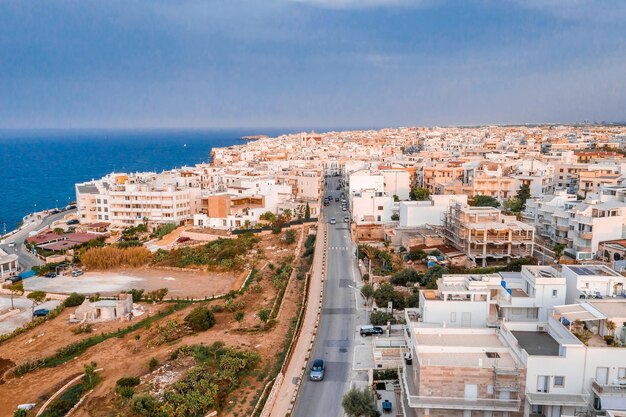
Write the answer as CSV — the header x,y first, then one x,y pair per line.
x,y
40,167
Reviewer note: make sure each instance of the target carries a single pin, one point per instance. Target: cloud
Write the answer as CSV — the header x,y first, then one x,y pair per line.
x,y
362,4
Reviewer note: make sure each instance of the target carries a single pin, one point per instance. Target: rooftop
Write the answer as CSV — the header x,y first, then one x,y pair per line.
x,y
537,343
591,270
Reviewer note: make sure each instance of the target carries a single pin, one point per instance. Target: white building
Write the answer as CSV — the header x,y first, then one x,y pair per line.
x,y
419,213
592,281
371,207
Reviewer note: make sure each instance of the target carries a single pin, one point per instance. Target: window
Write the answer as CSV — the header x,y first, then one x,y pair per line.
x,y
380,207
559,381
554,293
452,317
621,373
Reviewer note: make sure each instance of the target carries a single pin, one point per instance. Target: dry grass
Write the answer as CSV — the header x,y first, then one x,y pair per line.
x,y
113,257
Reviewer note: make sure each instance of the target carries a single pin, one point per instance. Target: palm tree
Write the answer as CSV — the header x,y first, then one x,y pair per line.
x,y
610,326
371,253
287,214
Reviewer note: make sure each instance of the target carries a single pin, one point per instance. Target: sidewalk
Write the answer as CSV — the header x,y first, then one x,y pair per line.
x,y
284,392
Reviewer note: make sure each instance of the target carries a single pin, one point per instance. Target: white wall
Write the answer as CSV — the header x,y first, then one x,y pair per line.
x,y
439,311
397,182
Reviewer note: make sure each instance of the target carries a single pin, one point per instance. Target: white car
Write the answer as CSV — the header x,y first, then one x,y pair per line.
x,y
333,221
12,244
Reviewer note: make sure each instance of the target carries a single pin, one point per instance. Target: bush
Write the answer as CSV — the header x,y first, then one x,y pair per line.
x,y
20,413
380,318
290,237
144,405
74,300
417,255
385,293
83,328
200,319
125,392
152,365
385,374
405,277
164,230
137,295
129,381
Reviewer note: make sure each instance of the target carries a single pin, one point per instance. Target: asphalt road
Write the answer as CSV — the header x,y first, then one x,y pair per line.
x,y
334,342
26,259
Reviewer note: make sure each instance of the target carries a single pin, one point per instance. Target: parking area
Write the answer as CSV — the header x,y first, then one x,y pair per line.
x,y
10,321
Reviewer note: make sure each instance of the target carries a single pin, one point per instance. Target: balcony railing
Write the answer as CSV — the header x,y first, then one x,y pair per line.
x,y
609,389
460,403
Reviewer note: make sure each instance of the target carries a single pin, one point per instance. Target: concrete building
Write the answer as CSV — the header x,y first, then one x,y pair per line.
x,y
419,213
9,265
105,310
592,282
484,233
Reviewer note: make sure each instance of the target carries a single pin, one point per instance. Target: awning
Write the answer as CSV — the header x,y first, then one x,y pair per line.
x,y
581,312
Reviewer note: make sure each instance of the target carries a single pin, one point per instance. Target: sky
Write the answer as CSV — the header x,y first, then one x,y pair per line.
x,y
310,63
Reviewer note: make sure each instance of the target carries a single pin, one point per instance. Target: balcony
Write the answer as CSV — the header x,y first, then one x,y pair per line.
x,y
586,235
548,398
451,403
614,390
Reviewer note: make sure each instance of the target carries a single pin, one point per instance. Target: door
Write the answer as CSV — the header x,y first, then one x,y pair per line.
x,y
602,375
542,383
466,319
556,411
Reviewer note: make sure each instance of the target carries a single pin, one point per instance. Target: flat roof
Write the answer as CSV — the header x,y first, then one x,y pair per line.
x,y
537,343
487,340
467,359
611,309
590,270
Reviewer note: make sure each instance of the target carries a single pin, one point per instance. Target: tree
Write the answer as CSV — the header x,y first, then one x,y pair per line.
x,y
513,205
307,211
417,255
419,194
396,199
75,299
370,252
90,378
160,294
381,318
413,300
405,277
239,317
16,289
386,293
385,258
610,326
367,291
264,316
433,274
484,201
58,230
558,251
200,319
268,216
288,215
360,403
37,297
20,413
523,194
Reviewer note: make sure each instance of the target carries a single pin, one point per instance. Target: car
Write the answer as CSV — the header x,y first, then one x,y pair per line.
x,y
51,275
317,370
41,312
346,219
371,330
183,239
12,244
55,211
77,273
337,199
344,208
72,221
333,221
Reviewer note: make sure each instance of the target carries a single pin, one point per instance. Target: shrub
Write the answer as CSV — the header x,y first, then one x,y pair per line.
x,y
380,318
144,405
125,392
417,255
129,381
74,300
163,230
200,319
20,413
405,277
83,328
290,236
152,365
385,293
137,295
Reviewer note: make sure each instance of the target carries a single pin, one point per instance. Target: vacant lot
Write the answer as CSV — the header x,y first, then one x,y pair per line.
x,y
183,284
131,354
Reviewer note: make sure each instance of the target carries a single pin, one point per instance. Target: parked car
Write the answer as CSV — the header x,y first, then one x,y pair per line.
x,y
72,221
77,273
41,312
333,221
55,211
344,208
317,370
371,330
183,239
346,219
51,275
337,199
12,244
387,406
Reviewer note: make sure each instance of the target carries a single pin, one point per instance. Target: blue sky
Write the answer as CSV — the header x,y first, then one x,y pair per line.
x,y
310,63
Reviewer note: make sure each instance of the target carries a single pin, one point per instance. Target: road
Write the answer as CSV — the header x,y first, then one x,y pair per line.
x,y
26,259
335,339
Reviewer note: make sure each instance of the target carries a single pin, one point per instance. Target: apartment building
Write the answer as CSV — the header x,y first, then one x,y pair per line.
x,y
485,234
537,175
550,214
458,372
9,265
371,207
128,200
590,182
592,222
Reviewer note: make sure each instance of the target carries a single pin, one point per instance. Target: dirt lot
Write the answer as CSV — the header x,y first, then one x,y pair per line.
x,y
129,356
183,284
